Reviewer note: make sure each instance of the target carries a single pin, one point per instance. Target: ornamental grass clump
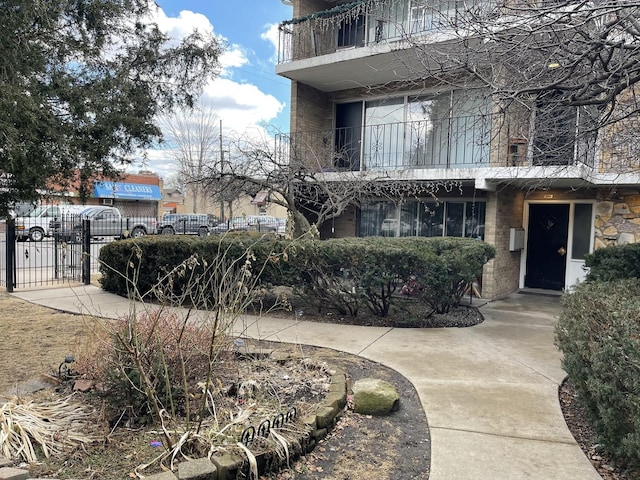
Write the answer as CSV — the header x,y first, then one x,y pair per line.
x,y
28,429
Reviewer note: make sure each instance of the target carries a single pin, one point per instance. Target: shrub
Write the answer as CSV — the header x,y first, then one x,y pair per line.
x,y
173,262
347,274
350,273
598,332
615,262
446,268
173,356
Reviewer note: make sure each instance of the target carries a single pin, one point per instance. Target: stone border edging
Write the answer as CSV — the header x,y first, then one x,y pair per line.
x,y
227,466
318,425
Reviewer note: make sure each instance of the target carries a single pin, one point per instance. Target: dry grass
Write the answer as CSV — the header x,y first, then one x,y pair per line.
x,y
35,340
30,429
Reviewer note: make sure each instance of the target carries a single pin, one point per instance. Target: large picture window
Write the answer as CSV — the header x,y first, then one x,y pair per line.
x,y
412,218
444,130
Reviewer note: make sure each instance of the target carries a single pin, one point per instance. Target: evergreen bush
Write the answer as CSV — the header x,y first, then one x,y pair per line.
x,y
614,262
143,263
598,332
347,274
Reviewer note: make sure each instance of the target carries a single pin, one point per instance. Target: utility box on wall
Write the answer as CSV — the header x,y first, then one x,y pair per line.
x,y
516,239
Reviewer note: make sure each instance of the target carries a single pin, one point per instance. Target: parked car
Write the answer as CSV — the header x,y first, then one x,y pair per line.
x,y
187,224
254,223
35,224
104,222
220,229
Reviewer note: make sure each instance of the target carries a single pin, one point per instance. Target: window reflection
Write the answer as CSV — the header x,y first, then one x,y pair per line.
x,y
423,219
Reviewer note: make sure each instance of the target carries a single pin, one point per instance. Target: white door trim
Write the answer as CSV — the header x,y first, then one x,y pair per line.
x,y
574,270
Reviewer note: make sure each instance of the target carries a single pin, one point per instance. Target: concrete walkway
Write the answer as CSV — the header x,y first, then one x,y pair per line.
x,y
490,392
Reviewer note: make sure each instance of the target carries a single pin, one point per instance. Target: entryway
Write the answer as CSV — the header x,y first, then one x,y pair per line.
x,y
547,246
559,235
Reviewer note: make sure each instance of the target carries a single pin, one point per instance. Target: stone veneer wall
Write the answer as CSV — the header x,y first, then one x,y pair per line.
x,y
617,219
501,275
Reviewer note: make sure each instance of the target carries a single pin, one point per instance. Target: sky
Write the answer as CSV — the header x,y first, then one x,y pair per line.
x,y
247,95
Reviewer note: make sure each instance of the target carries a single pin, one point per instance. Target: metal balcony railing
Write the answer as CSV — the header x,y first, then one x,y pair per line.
x,y
368,22
459,142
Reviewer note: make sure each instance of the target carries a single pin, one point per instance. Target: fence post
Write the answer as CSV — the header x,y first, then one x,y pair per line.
x,y
56,244
10,236
86,251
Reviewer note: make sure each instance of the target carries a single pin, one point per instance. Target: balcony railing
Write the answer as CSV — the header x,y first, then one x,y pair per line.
x,y
459,142
358,24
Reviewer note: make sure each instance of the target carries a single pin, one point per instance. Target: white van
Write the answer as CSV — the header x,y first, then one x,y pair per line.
x,y
34,225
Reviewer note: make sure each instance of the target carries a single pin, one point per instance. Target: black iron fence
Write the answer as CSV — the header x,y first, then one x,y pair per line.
x,y
42,251
49,261
450,142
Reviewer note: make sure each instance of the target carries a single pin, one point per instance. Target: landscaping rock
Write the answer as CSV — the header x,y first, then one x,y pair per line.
x,y
374,397
325,416
10,473
83,385
162,476
227,466
201,469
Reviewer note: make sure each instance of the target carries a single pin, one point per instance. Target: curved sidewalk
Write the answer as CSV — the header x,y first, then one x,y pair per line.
x,y
490,392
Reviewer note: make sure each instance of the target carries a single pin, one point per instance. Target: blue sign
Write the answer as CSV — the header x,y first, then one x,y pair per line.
x,y
126,191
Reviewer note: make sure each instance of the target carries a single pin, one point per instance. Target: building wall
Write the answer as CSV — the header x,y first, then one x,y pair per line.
x,y
311,109
301,8
343,226
243,207
501,275
617,219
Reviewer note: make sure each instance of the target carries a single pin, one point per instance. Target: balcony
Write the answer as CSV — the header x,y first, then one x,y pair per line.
x,y
355,43
469,142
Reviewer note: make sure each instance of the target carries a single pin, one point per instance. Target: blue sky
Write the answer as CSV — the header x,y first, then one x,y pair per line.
x,y
248,94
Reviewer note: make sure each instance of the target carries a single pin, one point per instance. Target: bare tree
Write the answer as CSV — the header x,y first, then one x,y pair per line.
x,y
193,139
294,173
560,73
566,67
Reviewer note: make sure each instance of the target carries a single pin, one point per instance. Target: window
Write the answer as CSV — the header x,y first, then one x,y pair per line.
x,y
435,131
423,219
581,240
555,130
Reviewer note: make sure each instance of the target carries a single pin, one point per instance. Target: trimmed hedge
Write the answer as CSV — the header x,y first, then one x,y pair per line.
x,y
347,274
613,263
351,273
599,334
139,264
448,266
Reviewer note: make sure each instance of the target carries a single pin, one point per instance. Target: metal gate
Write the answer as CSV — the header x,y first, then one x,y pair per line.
x,y
56,258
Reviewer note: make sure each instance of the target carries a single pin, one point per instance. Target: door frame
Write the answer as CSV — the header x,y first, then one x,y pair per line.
x,y
574,270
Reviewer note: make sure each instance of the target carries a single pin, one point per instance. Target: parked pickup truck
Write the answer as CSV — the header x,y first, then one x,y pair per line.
x,y
105,222
187,224
35,224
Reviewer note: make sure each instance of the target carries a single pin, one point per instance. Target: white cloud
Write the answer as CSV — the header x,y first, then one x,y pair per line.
x,y
242,107
181,26
271,35
233,57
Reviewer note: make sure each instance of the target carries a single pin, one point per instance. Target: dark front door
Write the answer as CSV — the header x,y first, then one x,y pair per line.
x,y
547,246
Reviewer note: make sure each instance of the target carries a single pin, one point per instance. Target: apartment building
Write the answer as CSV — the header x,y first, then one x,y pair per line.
x,y
534,180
